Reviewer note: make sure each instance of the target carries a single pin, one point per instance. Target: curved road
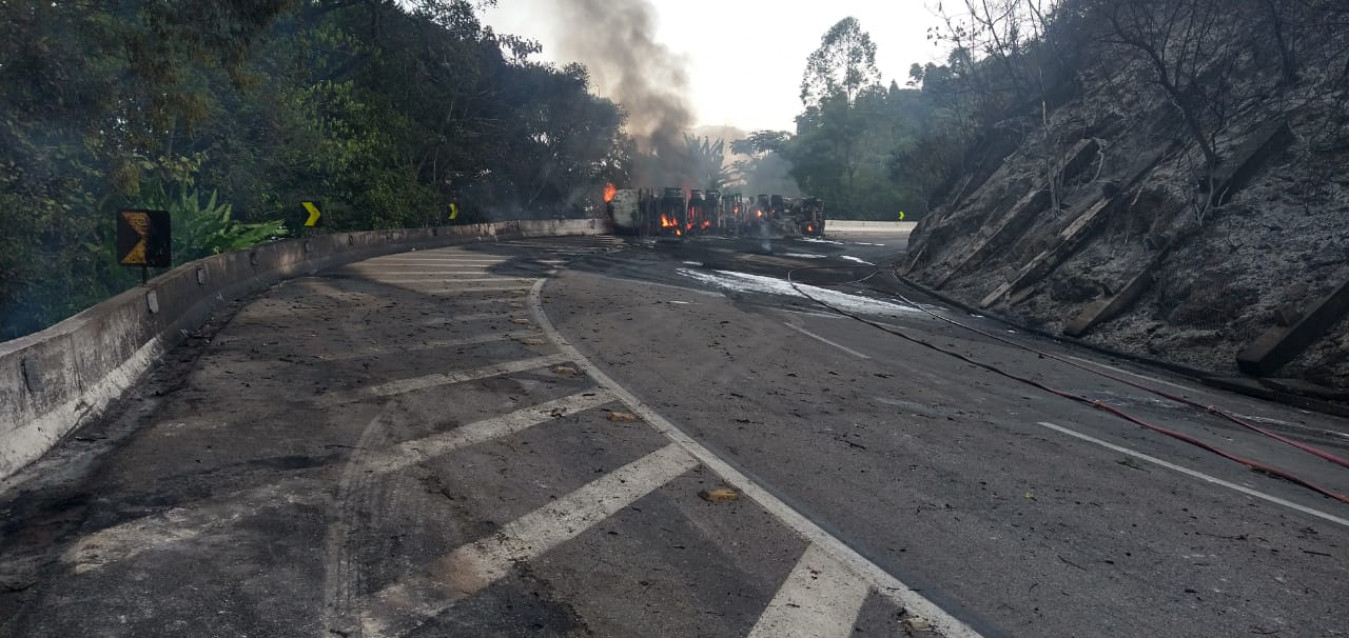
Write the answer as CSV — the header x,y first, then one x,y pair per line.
x,y
592,437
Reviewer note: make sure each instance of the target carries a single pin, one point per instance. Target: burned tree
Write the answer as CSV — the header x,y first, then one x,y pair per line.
x,y
1188,47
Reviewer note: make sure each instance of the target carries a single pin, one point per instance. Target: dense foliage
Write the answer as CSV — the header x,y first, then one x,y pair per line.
x,y
228,112
871,151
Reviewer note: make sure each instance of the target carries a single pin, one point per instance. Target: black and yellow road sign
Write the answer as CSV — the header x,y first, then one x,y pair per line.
x,y
315,214
144,238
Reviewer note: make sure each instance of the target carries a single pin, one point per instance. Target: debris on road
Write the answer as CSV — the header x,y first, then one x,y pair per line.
x,y
624,417
916,624
719,495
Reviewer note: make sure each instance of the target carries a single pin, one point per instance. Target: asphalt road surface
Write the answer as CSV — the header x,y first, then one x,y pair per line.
x,y
605,437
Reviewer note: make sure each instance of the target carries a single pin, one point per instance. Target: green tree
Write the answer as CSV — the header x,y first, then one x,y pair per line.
x,y
844,64
228,112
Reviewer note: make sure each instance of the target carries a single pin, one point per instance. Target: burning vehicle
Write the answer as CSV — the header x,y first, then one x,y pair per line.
x,y
673,212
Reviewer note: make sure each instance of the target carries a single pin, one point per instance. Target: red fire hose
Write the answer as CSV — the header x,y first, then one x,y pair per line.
x,y
1100,405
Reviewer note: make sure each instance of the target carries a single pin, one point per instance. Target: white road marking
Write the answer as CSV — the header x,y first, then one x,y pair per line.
x,y
1133,374
816,337
427,280
446,261
327,288
550,247
373,272
404,386
444,291
410,453
133,538
1199,475
481,316
487,301
819,599
429,345
467,570
884,583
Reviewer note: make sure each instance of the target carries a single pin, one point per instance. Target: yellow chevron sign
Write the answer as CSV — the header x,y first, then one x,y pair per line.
x,y
314,214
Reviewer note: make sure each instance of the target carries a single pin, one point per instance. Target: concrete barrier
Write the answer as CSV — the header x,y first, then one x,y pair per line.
x,y
53,381
850,226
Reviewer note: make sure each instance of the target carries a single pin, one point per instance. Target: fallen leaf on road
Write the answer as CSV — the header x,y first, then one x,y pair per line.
x,y
624,417
719,494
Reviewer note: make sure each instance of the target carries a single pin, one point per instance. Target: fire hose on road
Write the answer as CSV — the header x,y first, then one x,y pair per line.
x,y
1095,403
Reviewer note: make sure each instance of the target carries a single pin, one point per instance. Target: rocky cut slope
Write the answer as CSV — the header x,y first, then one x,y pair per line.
x,y
1189,200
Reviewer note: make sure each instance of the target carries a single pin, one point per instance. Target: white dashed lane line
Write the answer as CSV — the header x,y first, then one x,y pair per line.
x,y
1199,475
816,337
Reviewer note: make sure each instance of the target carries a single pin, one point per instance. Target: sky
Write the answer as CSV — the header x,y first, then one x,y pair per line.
x,y
745,57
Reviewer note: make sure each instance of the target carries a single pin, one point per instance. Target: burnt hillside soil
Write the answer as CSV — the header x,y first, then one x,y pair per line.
x,y
1128,197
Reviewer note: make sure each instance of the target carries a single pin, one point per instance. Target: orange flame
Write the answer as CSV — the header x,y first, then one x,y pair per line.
x,y
668,222
609,192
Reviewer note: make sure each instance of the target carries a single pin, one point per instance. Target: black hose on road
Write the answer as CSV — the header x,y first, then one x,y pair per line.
x,y
1100,405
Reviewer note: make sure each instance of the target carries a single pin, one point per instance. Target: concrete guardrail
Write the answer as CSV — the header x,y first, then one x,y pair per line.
x,y
850,226
53,381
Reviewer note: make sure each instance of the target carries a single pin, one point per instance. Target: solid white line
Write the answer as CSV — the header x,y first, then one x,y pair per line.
x,y
404,386
884,583
820,599
401,607
411,453
1199,475
429,345
816,337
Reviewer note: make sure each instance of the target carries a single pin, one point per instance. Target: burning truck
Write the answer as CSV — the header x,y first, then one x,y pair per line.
x,y
674,212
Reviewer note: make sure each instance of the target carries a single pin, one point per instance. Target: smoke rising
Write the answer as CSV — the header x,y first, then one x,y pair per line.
x,y
616,41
